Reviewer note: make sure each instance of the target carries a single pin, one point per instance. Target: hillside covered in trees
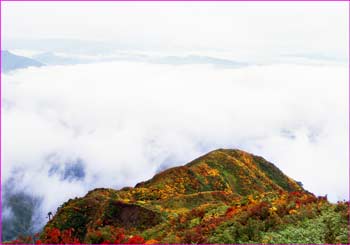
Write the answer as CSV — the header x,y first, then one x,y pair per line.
x,y
225,196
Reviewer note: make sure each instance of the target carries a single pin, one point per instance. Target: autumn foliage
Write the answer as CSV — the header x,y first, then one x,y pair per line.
x,y
226,196
112,235
55,236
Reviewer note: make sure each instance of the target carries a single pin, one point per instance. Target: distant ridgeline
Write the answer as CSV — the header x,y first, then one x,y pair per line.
x,y
11,62
225,196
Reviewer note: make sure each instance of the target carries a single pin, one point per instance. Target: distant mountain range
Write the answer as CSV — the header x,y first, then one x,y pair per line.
x,y
197,59
226,196
11,62
50,58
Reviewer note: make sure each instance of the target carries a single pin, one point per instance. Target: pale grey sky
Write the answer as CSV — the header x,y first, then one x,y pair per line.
x,y
237,29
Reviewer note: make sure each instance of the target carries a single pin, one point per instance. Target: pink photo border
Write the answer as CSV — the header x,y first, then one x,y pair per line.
x,y
165,1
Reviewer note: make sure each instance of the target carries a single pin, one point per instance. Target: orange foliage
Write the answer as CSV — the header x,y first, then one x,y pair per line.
x,y
55,236
152,241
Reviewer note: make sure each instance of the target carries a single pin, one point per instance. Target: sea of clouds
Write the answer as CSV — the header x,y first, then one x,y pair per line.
x,y
69,129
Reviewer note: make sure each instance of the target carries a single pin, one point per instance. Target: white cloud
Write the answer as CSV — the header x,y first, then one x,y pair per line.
x,y
124,120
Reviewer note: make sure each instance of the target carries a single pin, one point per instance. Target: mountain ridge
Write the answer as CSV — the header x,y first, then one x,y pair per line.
x,y
195,203
228,160
12,62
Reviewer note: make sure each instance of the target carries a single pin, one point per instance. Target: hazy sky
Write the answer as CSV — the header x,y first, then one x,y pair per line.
x,y
239,29
119,122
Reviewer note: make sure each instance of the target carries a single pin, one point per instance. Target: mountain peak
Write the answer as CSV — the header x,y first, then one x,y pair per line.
x,y
230,170
11,61
219,178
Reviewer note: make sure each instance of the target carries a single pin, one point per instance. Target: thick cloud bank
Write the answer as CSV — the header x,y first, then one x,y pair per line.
x,y
68,129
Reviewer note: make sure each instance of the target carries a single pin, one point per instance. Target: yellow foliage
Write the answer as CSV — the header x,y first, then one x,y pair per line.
x,y
213,172
251,199
272,210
